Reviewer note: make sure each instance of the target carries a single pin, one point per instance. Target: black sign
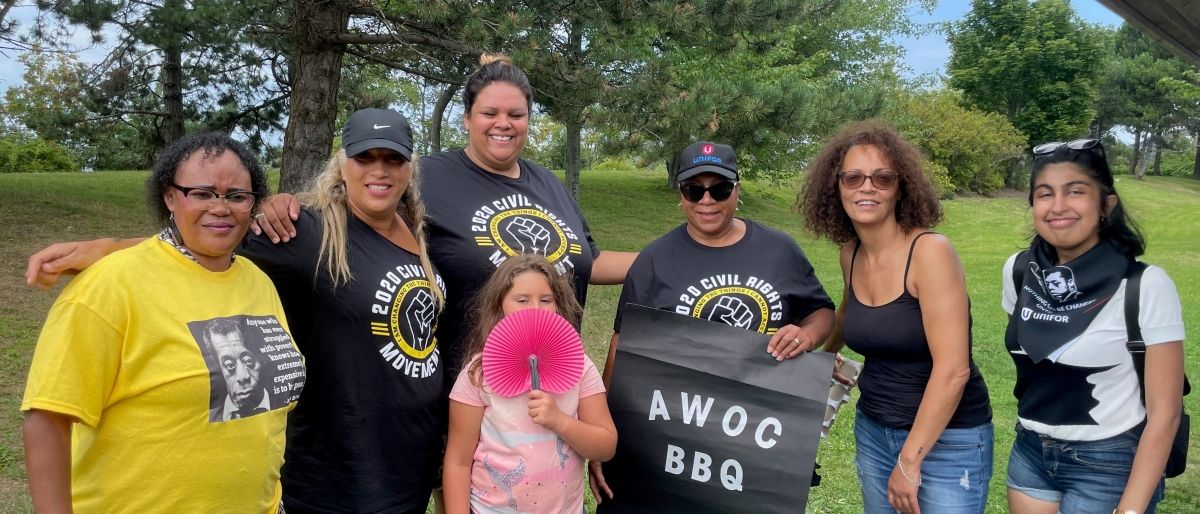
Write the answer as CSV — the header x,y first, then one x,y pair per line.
x,y
708,421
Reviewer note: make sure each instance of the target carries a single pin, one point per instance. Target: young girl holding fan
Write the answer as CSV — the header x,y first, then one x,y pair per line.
x,y
523,453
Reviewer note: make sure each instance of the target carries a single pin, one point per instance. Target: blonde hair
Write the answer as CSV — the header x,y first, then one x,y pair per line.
x,y
488,308
326,195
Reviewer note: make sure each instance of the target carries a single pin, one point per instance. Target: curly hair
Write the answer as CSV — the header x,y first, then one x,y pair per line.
x,y
488,308
169,161
819,199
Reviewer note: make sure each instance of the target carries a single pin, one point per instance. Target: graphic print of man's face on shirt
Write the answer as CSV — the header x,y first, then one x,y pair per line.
x,y
240,368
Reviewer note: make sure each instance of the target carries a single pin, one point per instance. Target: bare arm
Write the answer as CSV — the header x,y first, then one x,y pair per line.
x,y
610,267
1164,398
940,285
51,263
461,442
48,460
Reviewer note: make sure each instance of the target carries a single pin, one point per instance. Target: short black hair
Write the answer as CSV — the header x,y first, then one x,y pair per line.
x,y
213,144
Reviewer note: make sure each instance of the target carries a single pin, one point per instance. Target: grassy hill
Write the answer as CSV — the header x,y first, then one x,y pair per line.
x,y
626,210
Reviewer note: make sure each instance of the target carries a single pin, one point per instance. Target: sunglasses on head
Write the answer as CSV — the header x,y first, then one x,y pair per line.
x,y
856,179
1078,144
695,192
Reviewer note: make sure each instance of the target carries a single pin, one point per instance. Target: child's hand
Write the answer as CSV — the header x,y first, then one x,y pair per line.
x,y
544,410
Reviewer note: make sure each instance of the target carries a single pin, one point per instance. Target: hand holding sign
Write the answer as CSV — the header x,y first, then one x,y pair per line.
x,y
718,423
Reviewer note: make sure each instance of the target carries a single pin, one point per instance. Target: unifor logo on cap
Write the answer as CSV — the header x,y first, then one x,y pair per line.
x,y
707,149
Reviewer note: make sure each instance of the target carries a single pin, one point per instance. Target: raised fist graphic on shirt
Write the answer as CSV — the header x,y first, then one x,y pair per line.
x,y
732,312
530,235
420,319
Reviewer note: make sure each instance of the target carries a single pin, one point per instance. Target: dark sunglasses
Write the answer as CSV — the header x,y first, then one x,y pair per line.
x,y
1078,144
855,179
719,191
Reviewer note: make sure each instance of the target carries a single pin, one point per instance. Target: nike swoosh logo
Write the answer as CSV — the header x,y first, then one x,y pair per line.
x,y
377,127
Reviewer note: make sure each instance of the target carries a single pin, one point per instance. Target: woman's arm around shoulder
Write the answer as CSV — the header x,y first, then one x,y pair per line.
x,y
49,264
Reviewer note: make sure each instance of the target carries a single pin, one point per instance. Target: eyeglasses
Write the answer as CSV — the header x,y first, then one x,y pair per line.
x,y
719,191
856,179
204,198
1078,144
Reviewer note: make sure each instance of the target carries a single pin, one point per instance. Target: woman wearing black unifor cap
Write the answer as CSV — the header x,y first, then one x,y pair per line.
x,y
1085,443
725,269
361,298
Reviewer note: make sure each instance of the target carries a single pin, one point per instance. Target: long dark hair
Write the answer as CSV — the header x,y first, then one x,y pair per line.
x,y
1117,226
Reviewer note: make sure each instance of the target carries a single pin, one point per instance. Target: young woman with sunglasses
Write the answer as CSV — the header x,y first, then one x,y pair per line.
x,y
1085,443
726,269
923,430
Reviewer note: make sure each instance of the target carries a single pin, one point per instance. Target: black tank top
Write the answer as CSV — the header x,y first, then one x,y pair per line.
x,y
892,339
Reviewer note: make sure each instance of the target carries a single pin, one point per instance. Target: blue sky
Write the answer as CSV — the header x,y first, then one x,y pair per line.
x,y
925,55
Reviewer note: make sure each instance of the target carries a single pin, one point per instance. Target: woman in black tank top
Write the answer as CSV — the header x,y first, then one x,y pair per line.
x,y
923,430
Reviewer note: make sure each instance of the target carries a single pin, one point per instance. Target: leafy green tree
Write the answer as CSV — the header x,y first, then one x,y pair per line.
x,y
21,153
972,146
1152,92
54,103
1035,63
771,87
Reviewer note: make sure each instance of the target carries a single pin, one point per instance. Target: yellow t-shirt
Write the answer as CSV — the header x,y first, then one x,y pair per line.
x,y
180,379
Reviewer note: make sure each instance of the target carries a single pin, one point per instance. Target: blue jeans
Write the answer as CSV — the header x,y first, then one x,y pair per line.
x,y
954,474
1080,476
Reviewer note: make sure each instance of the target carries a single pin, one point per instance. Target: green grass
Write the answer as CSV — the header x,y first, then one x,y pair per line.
x,y
625,211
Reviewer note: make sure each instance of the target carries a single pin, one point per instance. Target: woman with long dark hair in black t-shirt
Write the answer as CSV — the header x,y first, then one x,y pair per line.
x,y
923,430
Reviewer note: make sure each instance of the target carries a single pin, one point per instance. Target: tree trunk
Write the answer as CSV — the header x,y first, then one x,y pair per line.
x,y
573,128
172,91
672,170
1141,165
1157,141
1196,164
1133,158
315,68
439,110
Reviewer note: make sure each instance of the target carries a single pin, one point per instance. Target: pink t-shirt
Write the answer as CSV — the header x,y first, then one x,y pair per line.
x,y
519,465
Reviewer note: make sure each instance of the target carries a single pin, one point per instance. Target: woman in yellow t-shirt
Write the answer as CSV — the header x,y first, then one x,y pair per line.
x,y
163,376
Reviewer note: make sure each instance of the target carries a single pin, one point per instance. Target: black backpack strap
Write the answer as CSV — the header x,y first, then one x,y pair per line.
x,y
1136,345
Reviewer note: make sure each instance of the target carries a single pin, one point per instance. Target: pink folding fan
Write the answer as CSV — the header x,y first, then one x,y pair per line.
x,y
529,345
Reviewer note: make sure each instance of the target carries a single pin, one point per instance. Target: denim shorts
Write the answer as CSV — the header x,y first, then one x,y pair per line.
x,y
1080,476
954,475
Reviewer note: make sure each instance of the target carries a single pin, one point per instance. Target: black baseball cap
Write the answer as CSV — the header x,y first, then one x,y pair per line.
x,y
707,157
377,128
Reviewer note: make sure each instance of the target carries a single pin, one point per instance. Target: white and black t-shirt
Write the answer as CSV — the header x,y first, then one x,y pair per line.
x,y
759,283
1088,389
366,435
477,219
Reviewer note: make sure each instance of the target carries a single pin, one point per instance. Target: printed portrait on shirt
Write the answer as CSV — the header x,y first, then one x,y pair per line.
x,y
253,366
